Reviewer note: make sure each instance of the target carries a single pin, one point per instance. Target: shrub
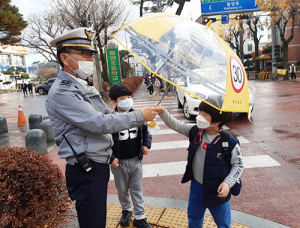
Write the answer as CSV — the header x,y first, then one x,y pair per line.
x,y
268,63
105,86
250,69
133,83
267,50
247,56
32,189
279,59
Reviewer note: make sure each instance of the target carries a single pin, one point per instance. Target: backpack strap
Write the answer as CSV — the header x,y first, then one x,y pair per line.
x,y
193,132
226,150
226,153
195,135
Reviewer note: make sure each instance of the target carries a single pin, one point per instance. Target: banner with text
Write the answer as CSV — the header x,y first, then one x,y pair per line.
x,y
113,63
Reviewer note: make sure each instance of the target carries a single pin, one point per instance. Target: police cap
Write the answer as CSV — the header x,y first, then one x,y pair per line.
x,y
80,38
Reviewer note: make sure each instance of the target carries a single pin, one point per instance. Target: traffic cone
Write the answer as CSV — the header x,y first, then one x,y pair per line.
x,y
21,117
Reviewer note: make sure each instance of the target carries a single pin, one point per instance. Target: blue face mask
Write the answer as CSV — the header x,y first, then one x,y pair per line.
x,y
125,104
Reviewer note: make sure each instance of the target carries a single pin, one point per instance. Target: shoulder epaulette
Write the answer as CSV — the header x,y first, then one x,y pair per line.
x,y
65,82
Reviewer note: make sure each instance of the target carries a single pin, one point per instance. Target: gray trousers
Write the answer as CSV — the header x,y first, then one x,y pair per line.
x,y
129,176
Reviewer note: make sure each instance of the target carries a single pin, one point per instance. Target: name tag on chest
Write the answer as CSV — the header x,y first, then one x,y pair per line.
x,y
204,147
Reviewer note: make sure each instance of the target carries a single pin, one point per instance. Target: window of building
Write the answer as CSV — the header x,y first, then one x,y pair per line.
x,y
18,60
249,47
4,60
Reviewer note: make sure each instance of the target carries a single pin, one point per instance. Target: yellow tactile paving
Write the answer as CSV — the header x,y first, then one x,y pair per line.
x,y
160,217
130,226
114,212
173,218
153,214
112,223
209,222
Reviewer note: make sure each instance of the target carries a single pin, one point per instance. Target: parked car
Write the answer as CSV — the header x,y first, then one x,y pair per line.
x,y
44,87
189,103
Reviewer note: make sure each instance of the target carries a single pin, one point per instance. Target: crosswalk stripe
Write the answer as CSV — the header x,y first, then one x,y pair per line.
x,y
170,131
174,110
260,161
183,120
142,106
242,139
166,132
178,168
155,102
170,145
177,144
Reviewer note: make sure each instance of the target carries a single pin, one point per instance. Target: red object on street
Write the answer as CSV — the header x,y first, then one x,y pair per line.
x,y
21,117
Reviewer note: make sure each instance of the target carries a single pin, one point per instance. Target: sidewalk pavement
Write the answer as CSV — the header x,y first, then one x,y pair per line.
x,y
160,212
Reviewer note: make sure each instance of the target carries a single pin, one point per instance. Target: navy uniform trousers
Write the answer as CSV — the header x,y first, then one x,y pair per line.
x,y
89,189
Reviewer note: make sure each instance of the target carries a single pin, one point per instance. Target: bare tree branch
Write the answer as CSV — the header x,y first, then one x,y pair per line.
x,y
107,16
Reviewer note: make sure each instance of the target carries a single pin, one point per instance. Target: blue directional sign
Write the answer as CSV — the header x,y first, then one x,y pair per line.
x,y
225,18
214,7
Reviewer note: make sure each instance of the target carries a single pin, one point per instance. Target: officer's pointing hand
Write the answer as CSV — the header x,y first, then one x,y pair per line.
x,y
148,113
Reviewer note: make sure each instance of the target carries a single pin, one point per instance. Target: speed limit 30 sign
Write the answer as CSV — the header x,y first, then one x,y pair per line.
x,y
237,75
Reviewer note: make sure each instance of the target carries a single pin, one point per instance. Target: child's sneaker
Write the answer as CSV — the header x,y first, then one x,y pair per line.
x,y
125,218
141,223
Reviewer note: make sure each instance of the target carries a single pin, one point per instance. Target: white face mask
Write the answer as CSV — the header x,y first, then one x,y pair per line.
x,y
86,68
202,123
125,104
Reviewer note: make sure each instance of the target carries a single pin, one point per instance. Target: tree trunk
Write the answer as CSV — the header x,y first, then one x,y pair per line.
x,y
285,59
257,66
241,35
141,8
180,7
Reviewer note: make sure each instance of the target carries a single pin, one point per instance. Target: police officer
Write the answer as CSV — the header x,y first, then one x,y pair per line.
x,y
82,123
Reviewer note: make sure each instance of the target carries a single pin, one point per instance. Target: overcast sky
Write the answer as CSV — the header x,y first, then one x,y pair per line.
x,y
29,6
191,10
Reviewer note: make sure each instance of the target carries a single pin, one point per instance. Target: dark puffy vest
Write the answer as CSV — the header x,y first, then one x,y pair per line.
x,y
215,169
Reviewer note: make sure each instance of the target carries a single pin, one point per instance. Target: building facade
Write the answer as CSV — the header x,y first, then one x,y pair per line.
x,y
11,56
294,45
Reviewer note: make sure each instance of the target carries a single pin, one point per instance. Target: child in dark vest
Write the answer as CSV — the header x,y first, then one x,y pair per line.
x,y
211,176
126,161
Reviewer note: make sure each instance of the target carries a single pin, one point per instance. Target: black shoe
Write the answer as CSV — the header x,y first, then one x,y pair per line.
x,y
125,218
142,223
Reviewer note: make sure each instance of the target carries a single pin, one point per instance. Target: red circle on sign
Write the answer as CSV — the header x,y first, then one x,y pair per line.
x,y
237,75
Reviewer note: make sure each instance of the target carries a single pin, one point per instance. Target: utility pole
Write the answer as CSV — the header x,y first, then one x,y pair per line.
x,y
158,5
274,58
241,41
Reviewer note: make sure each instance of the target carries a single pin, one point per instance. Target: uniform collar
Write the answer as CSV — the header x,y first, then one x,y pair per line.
x,y
78,82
